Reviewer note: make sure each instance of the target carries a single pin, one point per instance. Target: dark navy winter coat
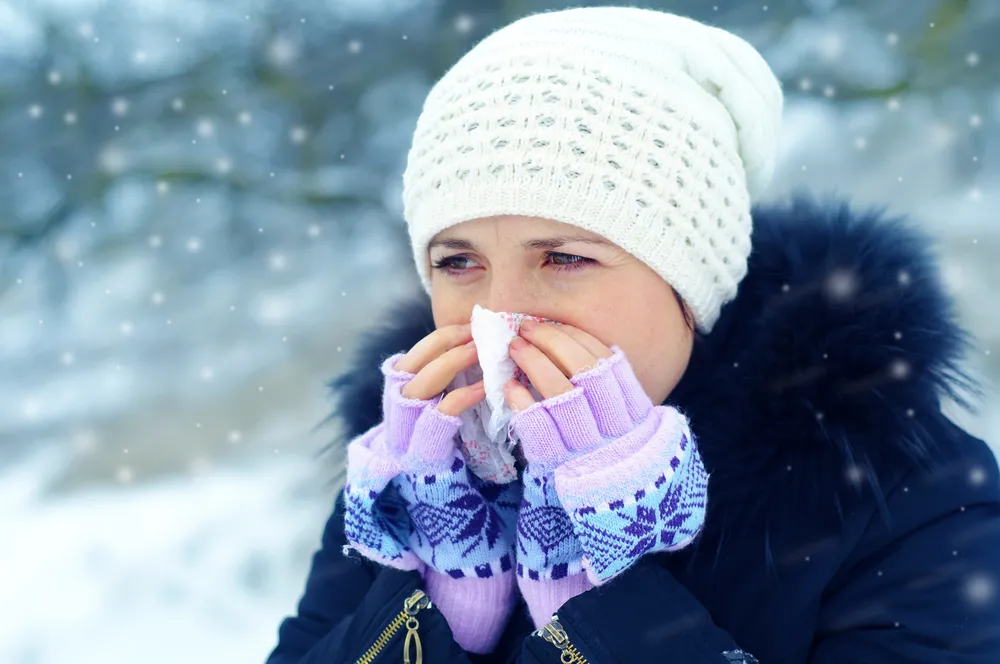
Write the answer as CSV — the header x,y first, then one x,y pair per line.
x,y
849,521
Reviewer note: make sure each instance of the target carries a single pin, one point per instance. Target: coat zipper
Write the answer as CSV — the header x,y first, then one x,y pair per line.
x,y
416,602
554,633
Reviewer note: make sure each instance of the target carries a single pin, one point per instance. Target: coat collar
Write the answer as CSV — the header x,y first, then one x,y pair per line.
x,y
830,362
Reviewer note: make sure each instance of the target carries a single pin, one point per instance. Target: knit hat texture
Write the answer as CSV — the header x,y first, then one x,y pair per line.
x,y
652,130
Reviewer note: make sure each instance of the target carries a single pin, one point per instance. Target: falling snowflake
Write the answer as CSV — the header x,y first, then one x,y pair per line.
x,y
272,310
205,128
126,327
805,84
244,118
35,111
125,474
893,104
223,165
207,373
299,134
234,436
66,248
841,285
119,106
464,23
892,39
282,51
277,262
85,441
899,369
31,409
942,135
162,186
86,29
55,78
112,160
354,46
854,474
972,59
976,121
69,117
979,589
314,230
177,104
831,46
157,298
194,245
977,476
68,358
861,143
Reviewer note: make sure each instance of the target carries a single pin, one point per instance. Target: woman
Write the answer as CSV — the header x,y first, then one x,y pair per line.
x,y
596,167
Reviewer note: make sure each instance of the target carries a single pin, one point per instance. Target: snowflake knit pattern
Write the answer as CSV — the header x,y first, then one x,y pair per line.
x,y
412,502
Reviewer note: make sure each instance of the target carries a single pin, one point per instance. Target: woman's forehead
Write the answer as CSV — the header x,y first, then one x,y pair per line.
x,y
518,227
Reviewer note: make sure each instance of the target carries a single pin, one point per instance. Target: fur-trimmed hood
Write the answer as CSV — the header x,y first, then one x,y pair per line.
x,y
831,362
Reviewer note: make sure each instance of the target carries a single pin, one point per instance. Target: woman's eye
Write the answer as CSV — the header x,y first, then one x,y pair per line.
x,y
453,263
568,261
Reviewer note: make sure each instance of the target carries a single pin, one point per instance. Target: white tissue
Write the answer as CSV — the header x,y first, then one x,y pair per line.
x,y
487,444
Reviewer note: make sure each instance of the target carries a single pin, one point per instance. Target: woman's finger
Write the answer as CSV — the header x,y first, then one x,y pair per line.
x,y
517,396
564,350
588,341
433,346
458,401
440,371
544,375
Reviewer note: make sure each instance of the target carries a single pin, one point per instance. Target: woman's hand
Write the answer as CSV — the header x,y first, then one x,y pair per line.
x,y
436,360
550,355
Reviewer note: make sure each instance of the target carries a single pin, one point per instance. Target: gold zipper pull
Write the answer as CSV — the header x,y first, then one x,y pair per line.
x,y
413,605
554,633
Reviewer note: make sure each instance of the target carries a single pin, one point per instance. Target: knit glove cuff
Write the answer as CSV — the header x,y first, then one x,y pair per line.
x,y
610,478
606,402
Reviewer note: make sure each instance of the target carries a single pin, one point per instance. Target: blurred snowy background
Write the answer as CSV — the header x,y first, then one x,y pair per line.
x,y
199,211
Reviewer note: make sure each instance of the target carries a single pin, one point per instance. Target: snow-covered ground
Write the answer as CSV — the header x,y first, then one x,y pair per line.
x,y
197,570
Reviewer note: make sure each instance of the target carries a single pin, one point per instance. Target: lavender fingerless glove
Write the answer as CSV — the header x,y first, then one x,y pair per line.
x,y
412,504
610,478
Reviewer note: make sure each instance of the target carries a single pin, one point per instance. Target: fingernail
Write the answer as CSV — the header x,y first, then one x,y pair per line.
x,y
528,324
517,343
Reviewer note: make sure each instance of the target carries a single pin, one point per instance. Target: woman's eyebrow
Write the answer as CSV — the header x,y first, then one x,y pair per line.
x,y
559,240
452,243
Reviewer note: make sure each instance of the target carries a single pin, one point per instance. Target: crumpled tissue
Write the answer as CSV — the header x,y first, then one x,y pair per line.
x,y
487,441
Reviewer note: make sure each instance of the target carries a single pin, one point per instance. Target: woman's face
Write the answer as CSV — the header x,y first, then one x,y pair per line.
x,y
554,270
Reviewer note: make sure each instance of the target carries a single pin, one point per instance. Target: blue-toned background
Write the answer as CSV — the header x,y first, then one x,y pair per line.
x,y
200,209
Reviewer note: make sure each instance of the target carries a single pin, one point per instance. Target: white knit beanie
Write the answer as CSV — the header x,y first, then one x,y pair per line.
x,y
649,129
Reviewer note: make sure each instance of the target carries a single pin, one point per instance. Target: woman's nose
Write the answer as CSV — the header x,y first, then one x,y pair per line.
x,y
511,297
